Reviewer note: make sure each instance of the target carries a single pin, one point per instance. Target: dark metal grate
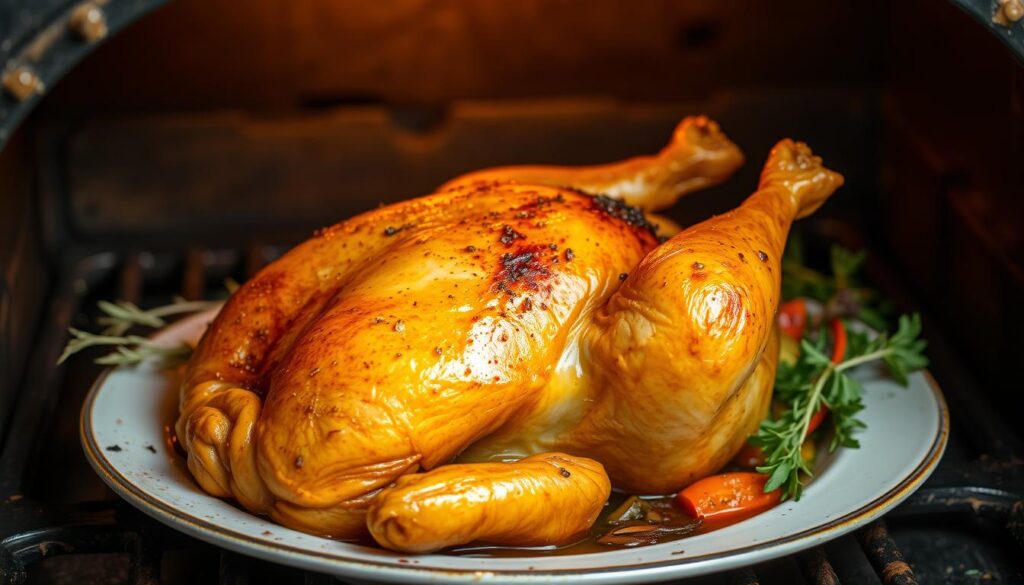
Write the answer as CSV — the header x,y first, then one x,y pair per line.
x,y
59,524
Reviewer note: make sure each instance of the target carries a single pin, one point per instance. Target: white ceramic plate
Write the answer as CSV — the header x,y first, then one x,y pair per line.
x,y
124,431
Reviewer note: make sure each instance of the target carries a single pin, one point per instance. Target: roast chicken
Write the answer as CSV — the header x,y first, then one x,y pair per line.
x,y
487,362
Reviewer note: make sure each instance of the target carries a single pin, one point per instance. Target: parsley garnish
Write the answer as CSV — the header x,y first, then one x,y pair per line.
x,y
812,381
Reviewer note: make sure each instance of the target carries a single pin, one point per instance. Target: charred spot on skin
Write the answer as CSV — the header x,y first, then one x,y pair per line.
x,y
762,256
624,212
470,249
298,462
564,472
623,276
523,268
509,235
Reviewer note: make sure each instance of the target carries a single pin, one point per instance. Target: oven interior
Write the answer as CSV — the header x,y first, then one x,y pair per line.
x,y
200,142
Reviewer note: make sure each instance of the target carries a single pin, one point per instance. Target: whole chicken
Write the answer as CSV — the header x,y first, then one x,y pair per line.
x,y
486,362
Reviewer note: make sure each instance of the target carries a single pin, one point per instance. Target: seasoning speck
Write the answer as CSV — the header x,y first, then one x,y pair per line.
x,y
114,448
471,249
392,230
762,256
564,472
437,350
399,326
569,254
697,266
623,276
509,235
298,462
151,449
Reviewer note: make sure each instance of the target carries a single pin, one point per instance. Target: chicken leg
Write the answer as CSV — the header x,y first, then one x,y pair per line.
x,y
685,350
698,156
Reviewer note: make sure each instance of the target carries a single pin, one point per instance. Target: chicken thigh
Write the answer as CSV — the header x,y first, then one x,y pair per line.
x,y
486,362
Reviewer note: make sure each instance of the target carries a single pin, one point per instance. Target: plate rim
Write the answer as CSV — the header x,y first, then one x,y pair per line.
x,y
340,565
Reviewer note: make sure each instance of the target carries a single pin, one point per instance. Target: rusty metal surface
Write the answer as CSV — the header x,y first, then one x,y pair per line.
x,y
885,555
816,568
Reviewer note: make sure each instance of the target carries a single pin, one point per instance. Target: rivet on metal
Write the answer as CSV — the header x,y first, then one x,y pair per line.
x,y
21,82
88,22
1009,12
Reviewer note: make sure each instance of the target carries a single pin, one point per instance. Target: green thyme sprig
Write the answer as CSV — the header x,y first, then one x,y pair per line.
x,y
120,317
128,349
813,381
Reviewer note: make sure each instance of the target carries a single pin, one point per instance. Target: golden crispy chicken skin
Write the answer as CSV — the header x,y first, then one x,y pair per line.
x,y
498,321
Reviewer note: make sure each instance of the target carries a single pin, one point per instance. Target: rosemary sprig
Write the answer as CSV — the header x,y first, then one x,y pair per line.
x,y
128,349
118,318
814,380
121,316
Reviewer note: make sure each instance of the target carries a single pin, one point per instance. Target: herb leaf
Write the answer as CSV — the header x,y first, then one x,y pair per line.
x,y
813,380
118,318
841,293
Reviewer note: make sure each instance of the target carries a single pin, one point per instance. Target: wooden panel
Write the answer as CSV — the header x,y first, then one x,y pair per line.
x,y
956,216
213,174
22,270
216,53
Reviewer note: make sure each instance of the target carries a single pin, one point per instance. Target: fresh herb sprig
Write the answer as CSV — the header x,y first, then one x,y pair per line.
x,y
813,381
120,317
129,350
841,294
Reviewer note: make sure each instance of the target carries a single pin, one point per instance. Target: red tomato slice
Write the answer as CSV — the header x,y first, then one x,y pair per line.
x,y
793,318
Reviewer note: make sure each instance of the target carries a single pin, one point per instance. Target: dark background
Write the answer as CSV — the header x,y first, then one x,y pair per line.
x,y
212,134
